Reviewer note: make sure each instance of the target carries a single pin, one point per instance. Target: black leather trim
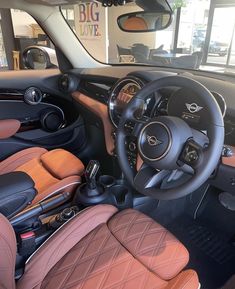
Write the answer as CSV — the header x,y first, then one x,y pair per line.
x,y
16,192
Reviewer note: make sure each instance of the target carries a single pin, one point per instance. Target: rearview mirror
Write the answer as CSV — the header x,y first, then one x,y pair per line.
x,y
144,21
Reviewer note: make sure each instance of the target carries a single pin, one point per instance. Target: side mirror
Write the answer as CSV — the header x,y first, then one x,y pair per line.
x,y
39,57
144,21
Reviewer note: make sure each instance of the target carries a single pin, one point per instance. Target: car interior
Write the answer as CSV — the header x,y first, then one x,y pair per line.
x,y
117,152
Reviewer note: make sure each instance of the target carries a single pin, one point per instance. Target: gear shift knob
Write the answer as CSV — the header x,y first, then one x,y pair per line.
x,y
91,172
91,192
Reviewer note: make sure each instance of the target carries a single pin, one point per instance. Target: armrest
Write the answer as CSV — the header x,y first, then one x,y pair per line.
x,y
16,192
8,127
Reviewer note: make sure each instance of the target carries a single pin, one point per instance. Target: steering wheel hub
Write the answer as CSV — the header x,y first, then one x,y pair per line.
x,y
154,141
161,141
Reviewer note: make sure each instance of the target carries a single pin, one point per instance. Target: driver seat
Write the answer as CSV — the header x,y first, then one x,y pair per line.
x,y
101,248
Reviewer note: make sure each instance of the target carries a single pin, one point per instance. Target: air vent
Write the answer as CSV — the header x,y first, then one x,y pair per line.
x,y
33,96
68,83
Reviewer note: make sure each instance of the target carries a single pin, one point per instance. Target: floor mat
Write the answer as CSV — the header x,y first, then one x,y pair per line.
x,y
212,256
211,244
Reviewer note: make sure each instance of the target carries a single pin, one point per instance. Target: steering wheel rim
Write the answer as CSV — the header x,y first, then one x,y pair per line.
x,y
208,157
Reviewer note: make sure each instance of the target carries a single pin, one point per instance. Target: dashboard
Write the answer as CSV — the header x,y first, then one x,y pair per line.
x,y
159,103
113,87
171,101
105,92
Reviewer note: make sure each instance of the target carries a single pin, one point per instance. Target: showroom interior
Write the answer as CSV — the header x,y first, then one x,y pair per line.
x,y
186,35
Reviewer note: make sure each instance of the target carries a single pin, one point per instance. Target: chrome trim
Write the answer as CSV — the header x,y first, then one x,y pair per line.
x,y
42,102
111,106
64,187
27,96
224,102
168,147
193,107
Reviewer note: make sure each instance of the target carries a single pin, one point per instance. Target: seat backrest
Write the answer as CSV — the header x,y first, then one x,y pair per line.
x,y
7,254
123,50
140,52
185,61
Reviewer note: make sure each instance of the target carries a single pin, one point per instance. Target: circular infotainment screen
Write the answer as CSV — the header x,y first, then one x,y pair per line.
x,y
121,94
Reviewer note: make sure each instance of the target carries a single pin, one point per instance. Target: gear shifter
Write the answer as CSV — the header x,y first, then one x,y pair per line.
x,y
91,192
91,173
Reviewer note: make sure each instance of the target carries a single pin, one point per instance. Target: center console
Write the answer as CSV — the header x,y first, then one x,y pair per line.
x,y
105,189
34,225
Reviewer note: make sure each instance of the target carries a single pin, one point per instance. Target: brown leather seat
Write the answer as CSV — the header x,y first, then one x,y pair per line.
x,y
135,23
52,171
100,248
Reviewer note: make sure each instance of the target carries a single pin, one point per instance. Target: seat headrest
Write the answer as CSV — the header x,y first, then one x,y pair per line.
x,y
135,23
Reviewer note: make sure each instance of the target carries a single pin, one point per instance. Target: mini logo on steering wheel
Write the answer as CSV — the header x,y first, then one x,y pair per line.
x,y
153,141
193,107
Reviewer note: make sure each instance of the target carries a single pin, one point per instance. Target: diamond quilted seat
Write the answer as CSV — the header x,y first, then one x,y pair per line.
x,y
101,248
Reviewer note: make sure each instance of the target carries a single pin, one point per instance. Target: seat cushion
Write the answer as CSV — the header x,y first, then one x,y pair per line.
x,y
103,258
7,254
52,172
150,243
100,261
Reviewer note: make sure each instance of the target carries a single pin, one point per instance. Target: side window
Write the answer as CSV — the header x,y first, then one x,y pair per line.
x,y
23,44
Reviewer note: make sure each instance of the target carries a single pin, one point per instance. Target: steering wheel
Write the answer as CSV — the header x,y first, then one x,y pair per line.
x,y
170,145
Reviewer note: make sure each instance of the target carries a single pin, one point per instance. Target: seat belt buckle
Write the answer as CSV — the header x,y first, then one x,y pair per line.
x,y
27,243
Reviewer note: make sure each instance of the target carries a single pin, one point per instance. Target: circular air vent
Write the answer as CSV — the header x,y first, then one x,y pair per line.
x,y
51,119
33,96
68,83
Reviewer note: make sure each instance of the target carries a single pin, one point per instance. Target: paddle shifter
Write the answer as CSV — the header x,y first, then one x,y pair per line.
x,y
91,192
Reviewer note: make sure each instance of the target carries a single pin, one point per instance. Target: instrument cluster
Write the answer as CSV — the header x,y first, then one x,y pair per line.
x,y
156,104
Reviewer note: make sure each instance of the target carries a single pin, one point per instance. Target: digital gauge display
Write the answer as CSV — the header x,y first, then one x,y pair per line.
x,y
121,94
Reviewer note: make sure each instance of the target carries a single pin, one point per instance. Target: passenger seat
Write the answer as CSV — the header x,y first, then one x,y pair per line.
x,y
52,171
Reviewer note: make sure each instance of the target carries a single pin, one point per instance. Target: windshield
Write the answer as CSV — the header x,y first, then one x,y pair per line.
x,y
201,35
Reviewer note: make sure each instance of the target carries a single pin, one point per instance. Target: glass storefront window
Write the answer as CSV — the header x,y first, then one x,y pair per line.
x,y
221,35
193,25
3,58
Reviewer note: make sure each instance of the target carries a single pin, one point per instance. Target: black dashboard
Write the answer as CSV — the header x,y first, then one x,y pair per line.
x,y
114,86
117,89
159,103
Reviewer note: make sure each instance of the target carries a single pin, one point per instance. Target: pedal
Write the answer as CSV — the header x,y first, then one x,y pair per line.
x,y
227,200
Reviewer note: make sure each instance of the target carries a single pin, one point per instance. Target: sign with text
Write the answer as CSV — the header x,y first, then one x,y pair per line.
x,y
89,21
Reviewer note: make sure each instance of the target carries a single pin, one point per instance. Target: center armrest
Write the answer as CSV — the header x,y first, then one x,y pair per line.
x,y
16,192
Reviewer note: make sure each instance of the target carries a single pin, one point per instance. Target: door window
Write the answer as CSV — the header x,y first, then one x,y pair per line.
x,y
18,31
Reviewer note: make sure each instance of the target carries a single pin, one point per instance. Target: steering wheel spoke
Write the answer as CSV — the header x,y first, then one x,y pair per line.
x,y
135,119
138,125
192,154
148,177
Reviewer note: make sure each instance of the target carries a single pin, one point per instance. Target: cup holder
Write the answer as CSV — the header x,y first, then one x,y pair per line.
x,y
120,196
106,181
